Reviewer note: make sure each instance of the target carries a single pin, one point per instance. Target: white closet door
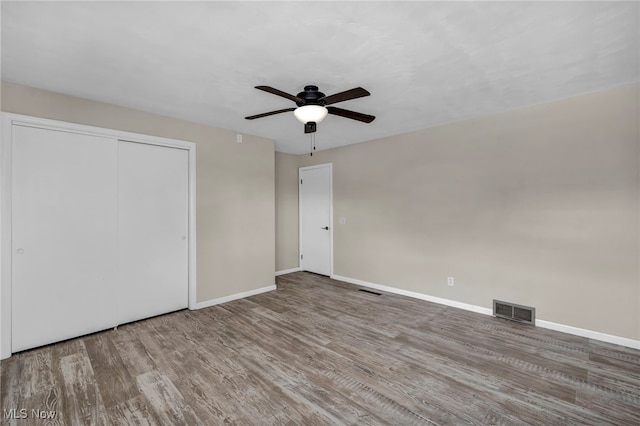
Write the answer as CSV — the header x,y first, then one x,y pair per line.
x,y
153,229
64,235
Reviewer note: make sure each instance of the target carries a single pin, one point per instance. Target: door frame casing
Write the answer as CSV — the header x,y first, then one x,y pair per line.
x,y
11,119
300,170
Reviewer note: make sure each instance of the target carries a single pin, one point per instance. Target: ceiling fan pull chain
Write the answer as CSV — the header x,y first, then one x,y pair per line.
x,y
311,145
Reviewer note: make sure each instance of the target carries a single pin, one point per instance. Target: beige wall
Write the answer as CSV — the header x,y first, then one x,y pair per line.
x,y
286,211
537,206
235,185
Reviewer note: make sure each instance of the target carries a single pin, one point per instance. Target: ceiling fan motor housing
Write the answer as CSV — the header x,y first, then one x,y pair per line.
x,y
311,96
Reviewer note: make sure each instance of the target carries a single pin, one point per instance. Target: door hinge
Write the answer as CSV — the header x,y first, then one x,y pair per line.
x,y
301,256
300,181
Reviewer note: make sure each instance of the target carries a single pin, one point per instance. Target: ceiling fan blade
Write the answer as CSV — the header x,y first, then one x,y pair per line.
x,y
358,92
365,118
271,90
266,114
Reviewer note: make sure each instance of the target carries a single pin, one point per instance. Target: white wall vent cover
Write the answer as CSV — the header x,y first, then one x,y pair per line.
x,y
514,312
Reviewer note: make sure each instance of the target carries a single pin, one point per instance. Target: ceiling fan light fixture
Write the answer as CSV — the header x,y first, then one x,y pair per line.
x,y
308,113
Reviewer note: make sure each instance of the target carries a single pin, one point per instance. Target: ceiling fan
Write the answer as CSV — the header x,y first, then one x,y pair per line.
x,y
312,105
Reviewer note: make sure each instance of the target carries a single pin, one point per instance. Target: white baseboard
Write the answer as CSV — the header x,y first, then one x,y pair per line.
x,y
413,294
590,334
288,271
236,296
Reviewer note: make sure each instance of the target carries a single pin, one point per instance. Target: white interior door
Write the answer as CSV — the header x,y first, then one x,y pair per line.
x,y
153,229
315,219
64,235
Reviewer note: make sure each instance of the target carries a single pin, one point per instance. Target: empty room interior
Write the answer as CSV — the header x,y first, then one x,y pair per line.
x,y
311,213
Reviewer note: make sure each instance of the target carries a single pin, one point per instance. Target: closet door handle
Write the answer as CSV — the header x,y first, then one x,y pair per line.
x,y
326,228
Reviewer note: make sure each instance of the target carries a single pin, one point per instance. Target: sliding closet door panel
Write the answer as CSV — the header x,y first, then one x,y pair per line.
x,y
153,229
64,235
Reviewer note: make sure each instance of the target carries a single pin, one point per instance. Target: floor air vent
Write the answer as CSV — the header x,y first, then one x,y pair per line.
x,y
369,291
514,312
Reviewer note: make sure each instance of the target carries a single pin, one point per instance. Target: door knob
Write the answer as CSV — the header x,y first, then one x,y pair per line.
x,y
326,228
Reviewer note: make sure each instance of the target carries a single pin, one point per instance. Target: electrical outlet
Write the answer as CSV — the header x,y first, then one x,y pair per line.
x,y
239,138
450,281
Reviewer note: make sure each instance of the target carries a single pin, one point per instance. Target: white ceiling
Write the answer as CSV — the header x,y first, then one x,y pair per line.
x,y
425,63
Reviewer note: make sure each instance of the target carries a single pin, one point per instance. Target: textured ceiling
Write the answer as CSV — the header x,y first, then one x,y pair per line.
x,y
425,63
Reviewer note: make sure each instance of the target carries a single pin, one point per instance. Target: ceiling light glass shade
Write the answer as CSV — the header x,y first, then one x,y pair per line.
x,y
309,113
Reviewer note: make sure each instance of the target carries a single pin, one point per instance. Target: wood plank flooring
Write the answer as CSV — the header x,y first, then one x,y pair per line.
x,y
318,351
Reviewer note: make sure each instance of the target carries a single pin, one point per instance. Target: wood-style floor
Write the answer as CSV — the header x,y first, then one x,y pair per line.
x,y
318,351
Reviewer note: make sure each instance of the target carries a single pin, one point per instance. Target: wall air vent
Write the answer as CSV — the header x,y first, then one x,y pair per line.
x,y
514,312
